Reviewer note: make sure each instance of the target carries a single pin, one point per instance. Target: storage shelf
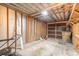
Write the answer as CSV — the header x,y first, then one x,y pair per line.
x,y
59,35
55,29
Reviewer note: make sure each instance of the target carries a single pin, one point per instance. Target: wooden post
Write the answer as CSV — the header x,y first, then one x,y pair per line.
x,y
21,25
55,32
71,14
15,30
21,40
47,30
28,29
7,27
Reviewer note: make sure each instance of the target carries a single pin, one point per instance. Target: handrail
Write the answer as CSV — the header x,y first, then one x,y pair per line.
x,y
3,44
14,41
11,39
6,40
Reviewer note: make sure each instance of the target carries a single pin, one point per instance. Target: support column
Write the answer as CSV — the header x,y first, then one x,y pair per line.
x,y
15,30
7,27
21,40
55,31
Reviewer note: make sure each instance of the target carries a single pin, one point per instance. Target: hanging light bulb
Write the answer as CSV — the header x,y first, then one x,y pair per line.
x,y
45,13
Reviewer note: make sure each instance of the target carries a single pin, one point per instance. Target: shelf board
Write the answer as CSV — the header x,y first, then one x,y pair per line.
x,y
55,34
51,34
55,30
58,22
59,35
51,30
51,27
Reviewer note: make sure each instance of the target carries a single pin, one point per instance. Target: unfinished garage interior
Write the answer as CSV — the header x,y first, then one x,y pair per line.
x,y
39,29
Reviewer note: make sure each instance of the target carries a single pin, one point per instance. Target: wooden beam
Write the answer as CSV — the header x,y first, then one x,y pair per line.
x,y
33,7
14,8
7,27
21,31
55,14
71,14
58,22
35,14
19,7
77,11
24,8
55,31
64,15
27,7
52,18
63,11
51,15
15,30
59,11
38,12
21,24
28,28
60,15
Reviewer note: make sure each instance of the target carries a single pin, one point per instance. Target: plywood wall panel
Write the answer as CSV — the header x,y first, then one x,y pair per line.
x,y
40,29
44,29
74,22
75,14
18,23
77,7
32,29
28,29
11,16
3,22
35,29
24,28
75,39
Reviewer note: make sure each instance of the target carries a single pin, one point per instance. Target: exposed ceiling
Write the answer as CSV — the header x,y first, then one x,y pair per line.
x,y
56,11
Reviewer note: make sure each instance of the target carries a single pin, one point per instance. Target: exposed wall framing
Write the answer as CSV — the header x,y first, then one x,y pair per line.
x,y
34,28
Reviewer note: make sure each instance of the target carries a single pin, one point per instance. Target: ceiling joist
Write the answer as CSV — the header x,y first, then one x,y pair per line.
x,y
56,11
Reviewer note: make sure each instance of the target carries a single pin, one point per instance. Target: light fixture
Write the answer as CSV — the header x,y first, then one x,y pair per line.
x,y
45,13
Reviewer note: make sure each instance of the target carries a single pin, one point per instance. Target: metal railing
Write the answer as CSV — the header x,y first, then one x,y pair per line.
x,y
15,38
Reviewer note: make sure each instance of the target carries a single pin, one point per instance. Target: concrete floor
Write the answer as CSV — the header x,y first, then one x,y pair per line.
x,y
50,47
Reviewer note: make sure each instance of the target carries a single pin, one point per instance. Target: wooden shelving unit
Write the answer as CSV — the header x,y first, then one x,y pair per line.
x,y
55,29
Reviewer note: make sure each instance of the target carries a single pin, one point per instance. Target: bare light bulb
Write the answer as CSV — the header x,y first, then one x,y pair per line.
x,y
44,13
